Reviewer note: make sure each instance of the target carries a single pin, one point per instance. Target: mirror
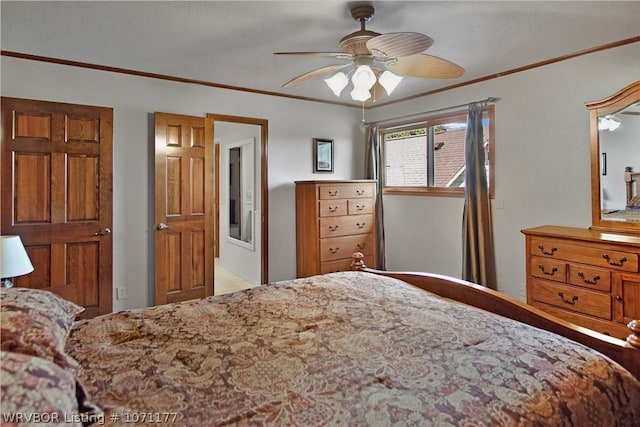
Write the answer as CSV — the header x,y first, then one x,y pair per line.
x,y
615,161
240,192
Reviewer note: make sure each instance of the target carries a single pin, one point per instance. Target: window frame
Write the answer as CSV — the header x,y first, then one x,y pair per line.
x,y
434,120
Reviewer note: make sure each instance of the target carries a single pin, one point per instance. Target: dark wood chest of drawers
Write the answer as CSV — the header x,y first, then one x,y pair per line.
x,y
333,220
587,277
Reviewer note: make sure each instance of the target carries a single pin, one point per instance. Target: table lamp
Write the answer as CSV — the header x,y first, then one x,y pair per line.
x,y
14,260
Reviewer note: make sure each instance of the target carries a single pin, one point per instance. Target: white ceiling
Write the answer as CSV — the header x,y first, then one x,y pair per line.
x,y
231,42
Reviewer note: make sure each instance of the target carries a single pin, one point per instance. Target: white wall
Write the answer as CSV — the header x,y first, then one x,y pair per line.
x,y
542,164
292,126
542,158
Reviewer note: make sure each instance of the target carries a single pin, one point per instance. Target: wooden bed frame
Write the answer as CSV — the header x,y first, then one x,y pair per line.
x,y
626,353
631,178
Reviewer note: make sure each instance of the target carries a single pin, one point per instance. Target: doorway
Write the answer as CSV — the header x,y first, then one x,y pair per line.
x,y
241,197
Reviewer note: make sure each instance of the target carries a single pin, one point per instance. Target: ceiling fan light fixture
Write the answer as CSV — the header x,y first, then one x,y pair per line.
x,y
360,94
363,78
337,83
389,81
609,123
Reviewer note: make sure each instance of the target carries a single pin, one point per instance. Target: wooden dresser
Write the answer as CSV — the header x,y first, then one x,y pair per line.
x,y
334,219
587,277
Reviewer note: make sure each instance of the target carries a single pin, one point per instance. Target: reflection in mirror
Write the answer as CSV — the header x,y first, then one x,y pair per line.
x,y
619,135
615,161
234,193
240,191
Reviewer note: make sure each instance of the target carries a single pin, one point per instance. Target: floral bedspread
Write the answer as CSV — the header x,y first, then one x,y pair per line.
x,y
342,349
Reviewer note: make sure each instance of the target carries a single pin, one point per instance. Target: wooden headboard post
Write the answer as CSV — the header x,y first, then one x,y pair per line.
x,y
631,178
626,353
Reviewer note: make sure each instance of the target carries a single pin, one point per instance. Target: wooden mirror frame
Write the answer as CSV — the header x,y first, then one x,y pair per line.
x,y
620,100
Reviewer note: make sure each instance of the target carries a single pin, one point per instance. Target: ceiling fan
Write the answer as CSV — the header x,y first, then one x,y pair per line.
x,y
377,61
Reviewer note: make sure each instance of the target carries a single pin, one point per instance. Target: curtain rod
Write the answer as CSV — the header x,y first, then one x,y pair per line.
x,y
490,99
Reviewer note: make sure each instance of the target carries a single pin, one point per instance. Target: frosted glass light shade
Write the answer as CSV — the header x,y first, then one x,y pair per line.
x,y
14,260
389,81
609,123
360,94
337,83
363,78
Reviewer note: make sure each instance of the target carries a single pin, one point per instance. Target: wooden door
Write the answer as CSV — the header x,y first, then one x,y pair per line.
x,y
216,204
56,183
183,207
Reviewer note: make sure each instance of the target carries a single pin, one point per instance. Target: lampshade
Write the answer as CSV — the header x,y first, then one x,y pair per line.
x,y
609,123
337,83
389,81
14,260
363,78
360,94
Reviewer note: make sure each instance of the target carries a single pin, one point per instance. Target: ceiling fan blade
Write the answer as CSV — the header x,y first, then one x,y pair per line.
x,y
339,55
315,73
425,67
395,45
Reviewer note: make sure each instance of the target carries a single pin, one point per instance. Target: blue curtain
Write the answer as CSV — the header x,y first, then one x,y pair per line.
x,y
373,170
478,254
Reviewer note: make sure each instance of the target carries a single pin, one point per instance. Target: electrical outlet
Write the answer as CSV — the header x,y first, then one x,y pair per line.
x,y
121,293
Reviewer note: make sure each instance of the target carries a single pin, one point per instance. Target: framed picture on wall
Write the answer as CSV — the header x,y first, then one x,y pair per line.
x,y
322,155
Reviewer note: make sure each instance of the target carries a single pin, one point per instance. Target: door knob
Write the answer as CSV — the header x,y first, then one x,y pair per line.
x,y
163,226
103,232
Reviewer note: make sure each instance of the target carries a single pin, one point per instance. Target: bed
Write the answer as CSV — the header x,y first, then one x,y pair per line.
x,y
631,212
350,348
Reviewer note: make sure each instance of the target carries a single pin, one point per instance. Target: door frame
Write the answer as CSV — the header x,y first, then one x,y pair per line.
x,y
264,209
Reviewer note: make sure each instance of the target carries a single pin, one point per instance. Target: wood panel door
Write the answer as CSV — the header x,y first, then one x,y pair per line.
x,y
56,184
184,177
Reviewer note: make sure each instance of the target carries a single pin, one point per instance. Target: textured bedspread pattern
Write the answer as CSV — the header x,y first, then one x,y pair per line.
x,y
344,349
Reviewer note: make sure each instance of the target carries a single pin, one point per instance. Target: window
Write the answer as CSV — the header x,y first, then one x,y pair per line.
x,y
427,156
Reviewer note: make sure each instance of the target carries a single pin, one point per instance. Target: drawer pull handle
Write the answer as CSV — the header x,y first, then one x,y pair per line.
x,y
361,224
333,208
361,245
334,250
333,227
548,273
618,298
553,250
359,192
616,263
572,301
333,193
359,207
589,281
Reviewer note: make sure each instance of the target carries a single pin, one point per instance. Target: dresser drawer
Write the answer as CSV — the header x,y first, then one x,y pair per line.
x,y
333,207
343,265
572,298
350,191
590,277
345,225
360,206
343,247
617,330
618,260
549,269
